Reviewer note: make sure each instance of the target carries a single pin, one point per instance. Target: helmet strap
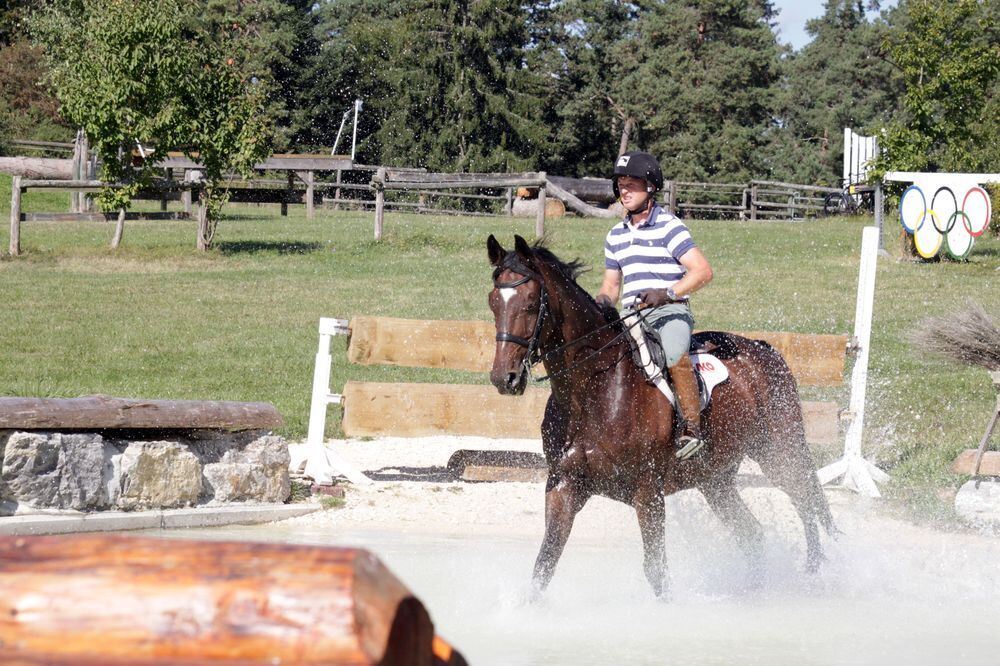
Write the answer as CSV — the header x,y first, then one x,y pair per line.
x,y
645,207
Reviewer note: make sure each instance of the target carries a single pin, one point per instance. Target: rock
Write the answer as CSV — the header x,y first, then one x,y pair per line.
x,y
979,506
56,471
256,473
158,474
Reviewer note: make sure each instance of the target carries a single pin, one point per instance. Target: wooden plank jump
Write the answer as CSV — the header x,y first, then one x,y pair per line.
x,y
423,409
815,359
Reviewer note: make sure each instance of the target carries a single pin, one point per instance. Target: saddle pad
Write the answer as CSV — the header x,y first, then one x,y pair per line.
x,y
711,371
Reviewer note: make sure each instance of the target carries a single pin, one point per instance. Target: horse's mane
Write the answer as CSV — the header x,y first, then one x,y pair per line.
x,y
571,270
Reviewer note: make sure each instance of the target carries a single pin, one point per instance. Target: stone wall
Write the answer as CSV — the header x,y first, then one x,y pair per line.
x,y
94,472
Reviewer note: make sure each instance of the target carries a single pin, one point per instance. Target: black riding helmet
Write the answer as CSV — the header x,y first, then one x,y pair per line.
x,y
638,165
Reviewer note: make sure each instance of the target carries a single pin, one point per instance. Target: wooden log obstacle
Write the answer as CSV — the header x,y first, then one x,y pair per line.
x,y
377,409
125,600
100,412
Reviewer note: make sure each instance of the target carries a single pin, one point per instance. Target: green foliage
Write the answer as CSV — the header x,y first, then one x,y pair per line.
x,y
948,54
994,191
276,45
155,72
575,48
33,112
839,79
462,101
700,78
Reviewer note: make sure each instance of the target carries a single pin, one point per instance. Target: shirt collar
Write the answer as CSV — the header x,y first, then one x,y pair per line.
x,y
650,221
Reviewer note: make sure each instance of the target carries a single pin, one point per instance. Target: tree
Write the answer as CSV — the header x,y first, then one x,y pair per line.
x,y
278,42
700,78
32,110
354,61
462,99
574,45
948,55
839,79
153,71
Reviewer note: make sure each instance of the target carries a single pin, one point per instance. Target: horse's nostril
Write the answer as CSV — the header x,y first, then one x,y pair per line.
x,y
512,378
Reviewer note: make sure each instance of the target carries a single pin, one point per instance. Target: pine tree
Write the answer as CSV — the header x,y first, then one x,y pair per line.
x,y
839,79
700,77
574,44
462,99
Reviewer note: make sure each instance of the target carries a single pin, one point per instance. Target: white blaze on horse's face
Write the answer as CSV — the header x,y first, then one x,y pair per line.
x,y
507,293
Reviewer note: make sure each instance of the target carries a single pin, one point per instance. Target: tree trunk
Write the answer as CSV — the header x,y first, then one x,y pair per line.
x,y
627,130
204,235
119,230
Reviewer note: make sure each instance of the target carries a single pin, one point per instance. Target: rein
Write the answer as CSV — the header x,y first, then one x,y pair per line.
x,y
533,356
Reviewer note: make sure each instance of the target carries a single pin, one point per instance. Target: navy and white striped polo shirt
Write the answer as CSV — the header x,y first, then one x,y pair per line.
x,y
648,256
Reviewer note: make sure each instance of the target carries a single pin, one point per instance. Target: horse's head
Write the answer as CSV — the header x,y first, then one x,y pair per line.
x,y
518,302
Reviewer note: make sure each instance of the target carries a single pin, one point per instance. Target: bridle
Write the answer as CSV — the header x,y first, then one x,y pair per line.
x,y
512,264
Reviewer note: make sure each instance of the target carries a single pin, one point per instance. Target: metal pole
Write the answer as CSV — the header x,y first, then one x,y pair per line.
x,y
354,137
343,119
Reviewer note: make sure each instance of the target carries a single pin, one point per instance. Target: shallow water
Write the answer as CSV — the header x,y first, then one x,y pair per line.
x,y
889,593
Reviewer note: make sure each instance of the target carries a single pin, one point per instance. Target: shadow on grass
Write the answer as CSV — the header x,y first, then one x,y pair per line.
x,y
276,247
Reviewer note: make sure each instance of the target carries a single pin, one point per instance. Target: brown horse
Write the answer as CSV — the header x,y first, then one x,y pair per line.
x,y
606,431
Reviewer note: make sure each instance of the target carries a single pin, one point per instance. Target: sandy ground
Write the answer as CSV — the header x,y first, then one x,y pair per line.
x,y
414,491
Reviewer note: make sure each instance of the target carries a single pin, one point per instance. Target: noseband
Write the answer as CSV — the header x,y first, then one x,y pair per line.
x,y
514,266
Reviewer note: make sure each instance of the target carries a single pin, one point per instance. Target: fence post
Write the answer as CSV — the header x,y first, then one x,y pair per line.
x,y
379,184
76,174
310,191
15,216
509,204
336,193
540,215
879,215
284,204
753,202
186,193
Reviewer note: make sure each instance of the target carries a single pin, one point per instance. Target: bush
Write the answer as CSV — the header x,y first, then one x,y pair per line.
x,y
994,191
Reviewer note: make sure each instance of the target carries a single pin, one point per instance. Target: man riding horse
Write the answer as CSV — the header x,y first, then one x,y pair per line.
x,y
651,261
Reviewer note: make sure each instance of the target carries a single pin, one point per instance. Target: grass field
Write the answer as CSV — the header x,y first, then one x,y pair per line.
x,y
157,319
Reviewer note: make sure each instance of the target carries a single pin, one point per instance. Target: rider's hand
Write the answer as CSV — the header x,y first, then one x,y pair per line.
x,y
654,298
604,301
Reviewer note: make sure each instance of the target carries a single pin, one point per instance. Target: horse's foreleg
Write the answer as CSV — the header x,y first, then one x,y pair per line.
x,y
725,501
563,500
648,504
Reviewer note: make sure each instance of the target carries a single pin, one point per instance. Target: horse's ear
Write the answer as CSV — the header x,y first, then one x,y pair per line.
x,y
496,252
521,246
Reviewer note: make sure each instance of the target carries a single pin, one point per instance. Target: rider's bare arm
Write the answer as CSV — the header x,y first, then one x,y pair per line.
x,y
699,273
611,287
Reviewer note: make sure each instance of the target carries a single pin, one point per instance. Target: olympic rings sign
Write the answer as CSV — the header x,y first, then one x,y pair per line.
x,y
955,216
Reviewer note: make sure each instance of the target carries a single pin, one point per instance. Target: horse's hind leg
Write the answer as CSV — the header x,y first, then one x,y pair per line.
x,y
794,475
649,508
724,499
563,500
